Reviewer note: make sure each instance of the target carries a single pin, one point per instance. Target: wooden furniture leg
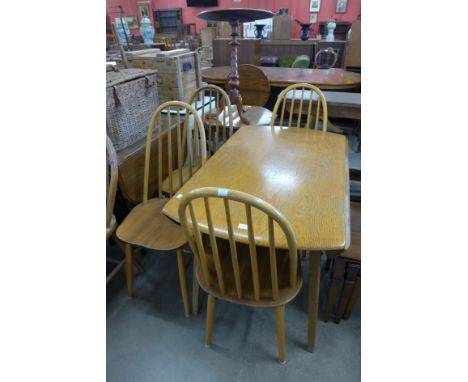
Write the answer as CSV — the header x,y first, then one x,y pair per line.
x,y
314,288
337,277
183,281
352,271
210,314
129,269
280,333
352,300
195,290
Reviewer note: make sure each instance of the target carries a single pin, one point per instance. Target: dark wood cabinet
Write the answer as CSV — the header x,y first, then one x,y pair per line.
x,y
167,20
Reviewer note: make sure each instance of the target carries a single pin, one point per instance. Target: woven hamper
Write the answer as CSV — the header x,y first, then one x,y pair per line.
x,y
131,100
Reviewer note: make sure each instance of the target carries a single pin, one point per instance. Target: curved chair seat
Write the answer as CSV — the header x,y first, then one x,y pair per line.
x,y
111,227
148,227
256,115
286,293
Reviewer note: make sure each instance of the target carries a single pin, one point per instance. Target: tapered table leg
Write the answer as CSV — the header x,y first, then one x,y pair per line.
x,y
314,288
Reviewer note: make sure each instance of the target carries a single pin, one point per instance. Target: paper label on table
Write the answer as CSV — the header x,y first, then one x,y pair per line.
x,y
223,192
242,226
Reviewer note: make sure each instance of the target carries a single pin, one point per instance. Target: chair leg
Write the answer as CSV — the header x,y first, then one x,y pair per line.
x,y
352,271
129,269
183,281
352,300
195,290
280,333
210,315
337,276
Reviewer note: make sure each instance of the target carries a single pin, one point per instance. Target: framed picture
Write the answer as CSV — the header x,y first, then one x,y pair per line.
x,y
313,18
341,6
144,10
314,5
132,22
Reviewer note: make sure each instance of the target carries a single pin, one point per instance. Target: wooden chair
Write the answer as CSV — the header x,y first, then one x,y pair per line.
x,y
146,226
325,58
255,91
111,191
346,271
235,272
218,118
303,94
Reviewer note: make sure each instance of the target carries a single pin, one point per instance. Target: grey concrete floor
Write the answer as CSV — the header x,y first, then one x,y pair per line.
x,y
149,338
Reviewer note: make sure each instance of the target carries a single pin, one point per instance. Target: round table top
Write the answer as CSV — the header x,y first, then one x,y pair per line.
x,y
233,14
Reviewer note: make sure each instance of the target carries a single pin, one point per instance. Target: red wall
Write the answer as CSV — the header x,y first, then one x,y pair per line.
x,y
298,9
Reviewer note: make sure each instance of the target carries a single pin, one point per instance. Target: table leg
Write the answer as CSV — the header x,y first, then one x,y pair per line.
x,y
314,288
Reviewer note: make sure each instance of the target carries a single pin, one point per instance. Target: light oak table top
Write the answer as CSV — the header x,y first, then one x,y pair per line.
x,y
331,79
303,173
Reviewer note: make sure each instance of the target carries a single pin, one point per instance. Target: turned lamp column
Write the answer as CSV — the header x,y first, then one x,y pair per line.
x,y
234,83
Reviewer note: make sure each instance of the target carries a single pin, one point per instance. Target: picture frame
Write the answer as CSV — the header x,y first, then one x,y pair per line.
x,y
132,22
313,18
144,10
314,5
341,6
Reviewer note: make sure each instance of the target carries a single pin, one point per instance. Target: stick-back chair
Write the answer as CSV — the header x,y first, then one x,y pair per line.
x,y
206,56
325,58
236,272
301,99
111,186
218,124
146,226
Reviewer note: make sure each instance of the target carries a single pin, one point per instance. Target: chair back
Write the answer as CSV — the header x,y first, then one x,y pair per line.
x,y
191,145
295,98
206,252
216,115
254,85
325,58
111,179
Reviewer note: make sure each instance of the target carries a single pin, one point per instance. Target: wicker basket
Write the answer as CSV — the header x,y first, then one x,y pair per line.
x,y
131,100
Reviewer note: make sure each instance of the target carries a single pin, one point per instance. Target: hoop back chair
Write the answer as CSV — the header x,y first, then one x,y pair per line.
x,y
111,186
146,226
316,111
325,58
218,118
236,272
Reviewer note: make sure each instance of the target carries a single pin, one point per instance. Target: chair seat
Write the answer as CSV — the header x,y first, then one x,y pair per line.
x,y
148,227
256,115
111,227
175,179
286,293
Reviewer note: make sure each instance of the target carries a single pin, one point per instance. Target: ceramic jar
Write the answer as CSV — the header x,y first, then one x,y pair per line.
x,y
122,29
147,30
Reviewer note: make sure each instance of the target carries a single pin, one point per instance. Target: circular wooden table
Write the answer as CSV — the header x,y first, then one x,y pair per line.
x,y
325,79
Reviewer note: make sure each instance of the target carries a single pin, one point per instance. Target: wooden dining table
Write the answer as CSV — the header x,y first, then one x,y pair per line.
x,y
325,79
303,173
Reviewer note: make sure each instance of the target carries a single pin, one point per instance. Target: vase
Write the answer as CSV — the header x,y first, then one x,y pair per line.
x,y
259,31
330,29
305,29
147,30
123,33
283,11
